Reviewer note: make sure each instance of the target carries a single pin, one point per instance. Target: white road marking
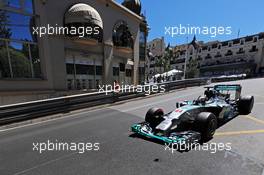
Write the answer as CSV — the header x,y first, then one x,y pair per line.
x,y
45,163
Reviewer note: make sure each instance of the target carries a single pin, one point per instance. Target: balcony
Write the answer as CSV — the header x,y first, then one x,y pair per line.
x,y
218,56
177,61
226,63
199,58
229,53
240,52
208,57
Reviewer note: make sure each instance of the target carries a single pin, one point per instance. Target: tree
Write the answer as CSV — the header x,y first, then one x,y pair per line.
x,y
164,60
167,58
5,32
192,69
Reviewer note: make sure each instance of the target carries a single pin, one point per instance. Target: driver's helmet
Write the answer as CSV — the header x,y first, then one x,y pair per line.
x,y
210,93
202,100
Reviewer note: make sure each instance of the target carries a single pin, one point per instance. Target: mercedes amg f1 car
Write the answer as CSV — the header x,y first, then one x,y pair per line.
x,y
196,120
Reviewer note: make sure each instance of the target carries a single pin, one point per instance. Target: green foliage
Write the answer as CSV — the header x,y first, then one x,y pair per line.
x,y
20,64
192,69
164,61
5,32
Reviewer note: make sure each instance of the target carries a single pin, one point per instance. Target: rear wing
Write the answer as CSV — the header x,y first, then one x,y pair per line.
x,y
237,88
233,87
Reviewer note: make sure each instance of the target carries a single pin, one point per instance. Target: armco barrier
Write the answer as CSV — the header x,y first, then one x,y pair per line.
x,y
30,110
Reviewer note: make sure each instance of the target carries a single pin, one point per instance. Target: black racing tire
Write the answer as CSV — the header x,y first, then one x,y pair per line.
x,y
154,116
245,105
206,124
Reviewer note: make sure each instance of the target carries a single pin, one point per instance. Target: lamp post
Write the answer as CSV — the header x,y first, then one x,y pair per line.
x,y
185,62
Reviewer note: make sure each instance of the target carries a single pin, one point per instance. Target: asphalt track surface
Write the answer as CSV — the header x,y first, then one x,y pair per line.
x,y
120,153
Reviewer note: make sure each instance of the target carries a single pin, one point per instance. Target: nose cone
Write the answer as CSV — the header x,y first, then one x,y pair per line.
x,y
164,125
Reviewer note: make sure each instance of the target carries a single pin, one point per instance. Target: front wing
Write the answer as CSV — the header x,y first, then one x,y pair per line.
x,y
185,137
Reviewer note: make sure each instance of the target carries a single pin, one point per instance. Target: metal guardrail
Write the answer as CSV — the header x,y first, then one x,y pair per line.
x,y
225,79
35,109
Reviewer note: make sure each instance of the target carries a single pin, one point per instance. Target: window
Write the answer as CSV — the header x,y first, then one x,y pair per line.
x,y
128,72
90,84
261,35
214,46
26,6
249,38
240,51
122,67
84,69
236,41
141,73
208,56
224,44
115,71
19,53
254,49
70,69
229,53
218,55
142,46
122,37
69,84
16,26
97,83
78,82
83,84
5,64
99,70
19,60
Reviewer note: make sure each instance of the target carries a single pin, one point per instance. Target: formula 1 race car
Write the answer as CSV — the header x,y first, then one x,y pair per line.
x,y
196,120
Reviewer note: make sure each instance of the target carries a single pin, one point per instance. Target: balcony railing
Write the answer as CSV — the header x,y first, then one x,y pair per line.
x,y
177,61
218,63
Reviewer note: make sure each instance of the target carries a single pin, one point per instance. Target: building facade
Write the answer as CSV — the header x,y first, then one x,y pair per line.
x,y
156,49
62,62
238,56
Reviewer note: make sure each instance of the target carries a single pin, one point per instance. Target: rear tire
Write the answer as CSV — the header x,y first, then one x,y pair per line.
x,y
154,116
245,105
206,124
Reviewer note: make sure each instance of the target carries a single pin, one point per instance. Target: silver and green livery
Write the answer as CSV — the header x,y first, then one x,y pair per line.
x,y
196,120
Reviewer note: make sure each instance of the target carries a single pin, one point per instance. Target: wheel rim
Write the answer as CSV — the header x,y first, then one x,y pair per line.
x,y
212,127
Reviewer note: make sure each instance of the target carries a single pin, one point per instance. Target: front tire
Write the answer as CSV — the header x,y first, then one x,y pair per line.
x,y
206,124
154,116
245,105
